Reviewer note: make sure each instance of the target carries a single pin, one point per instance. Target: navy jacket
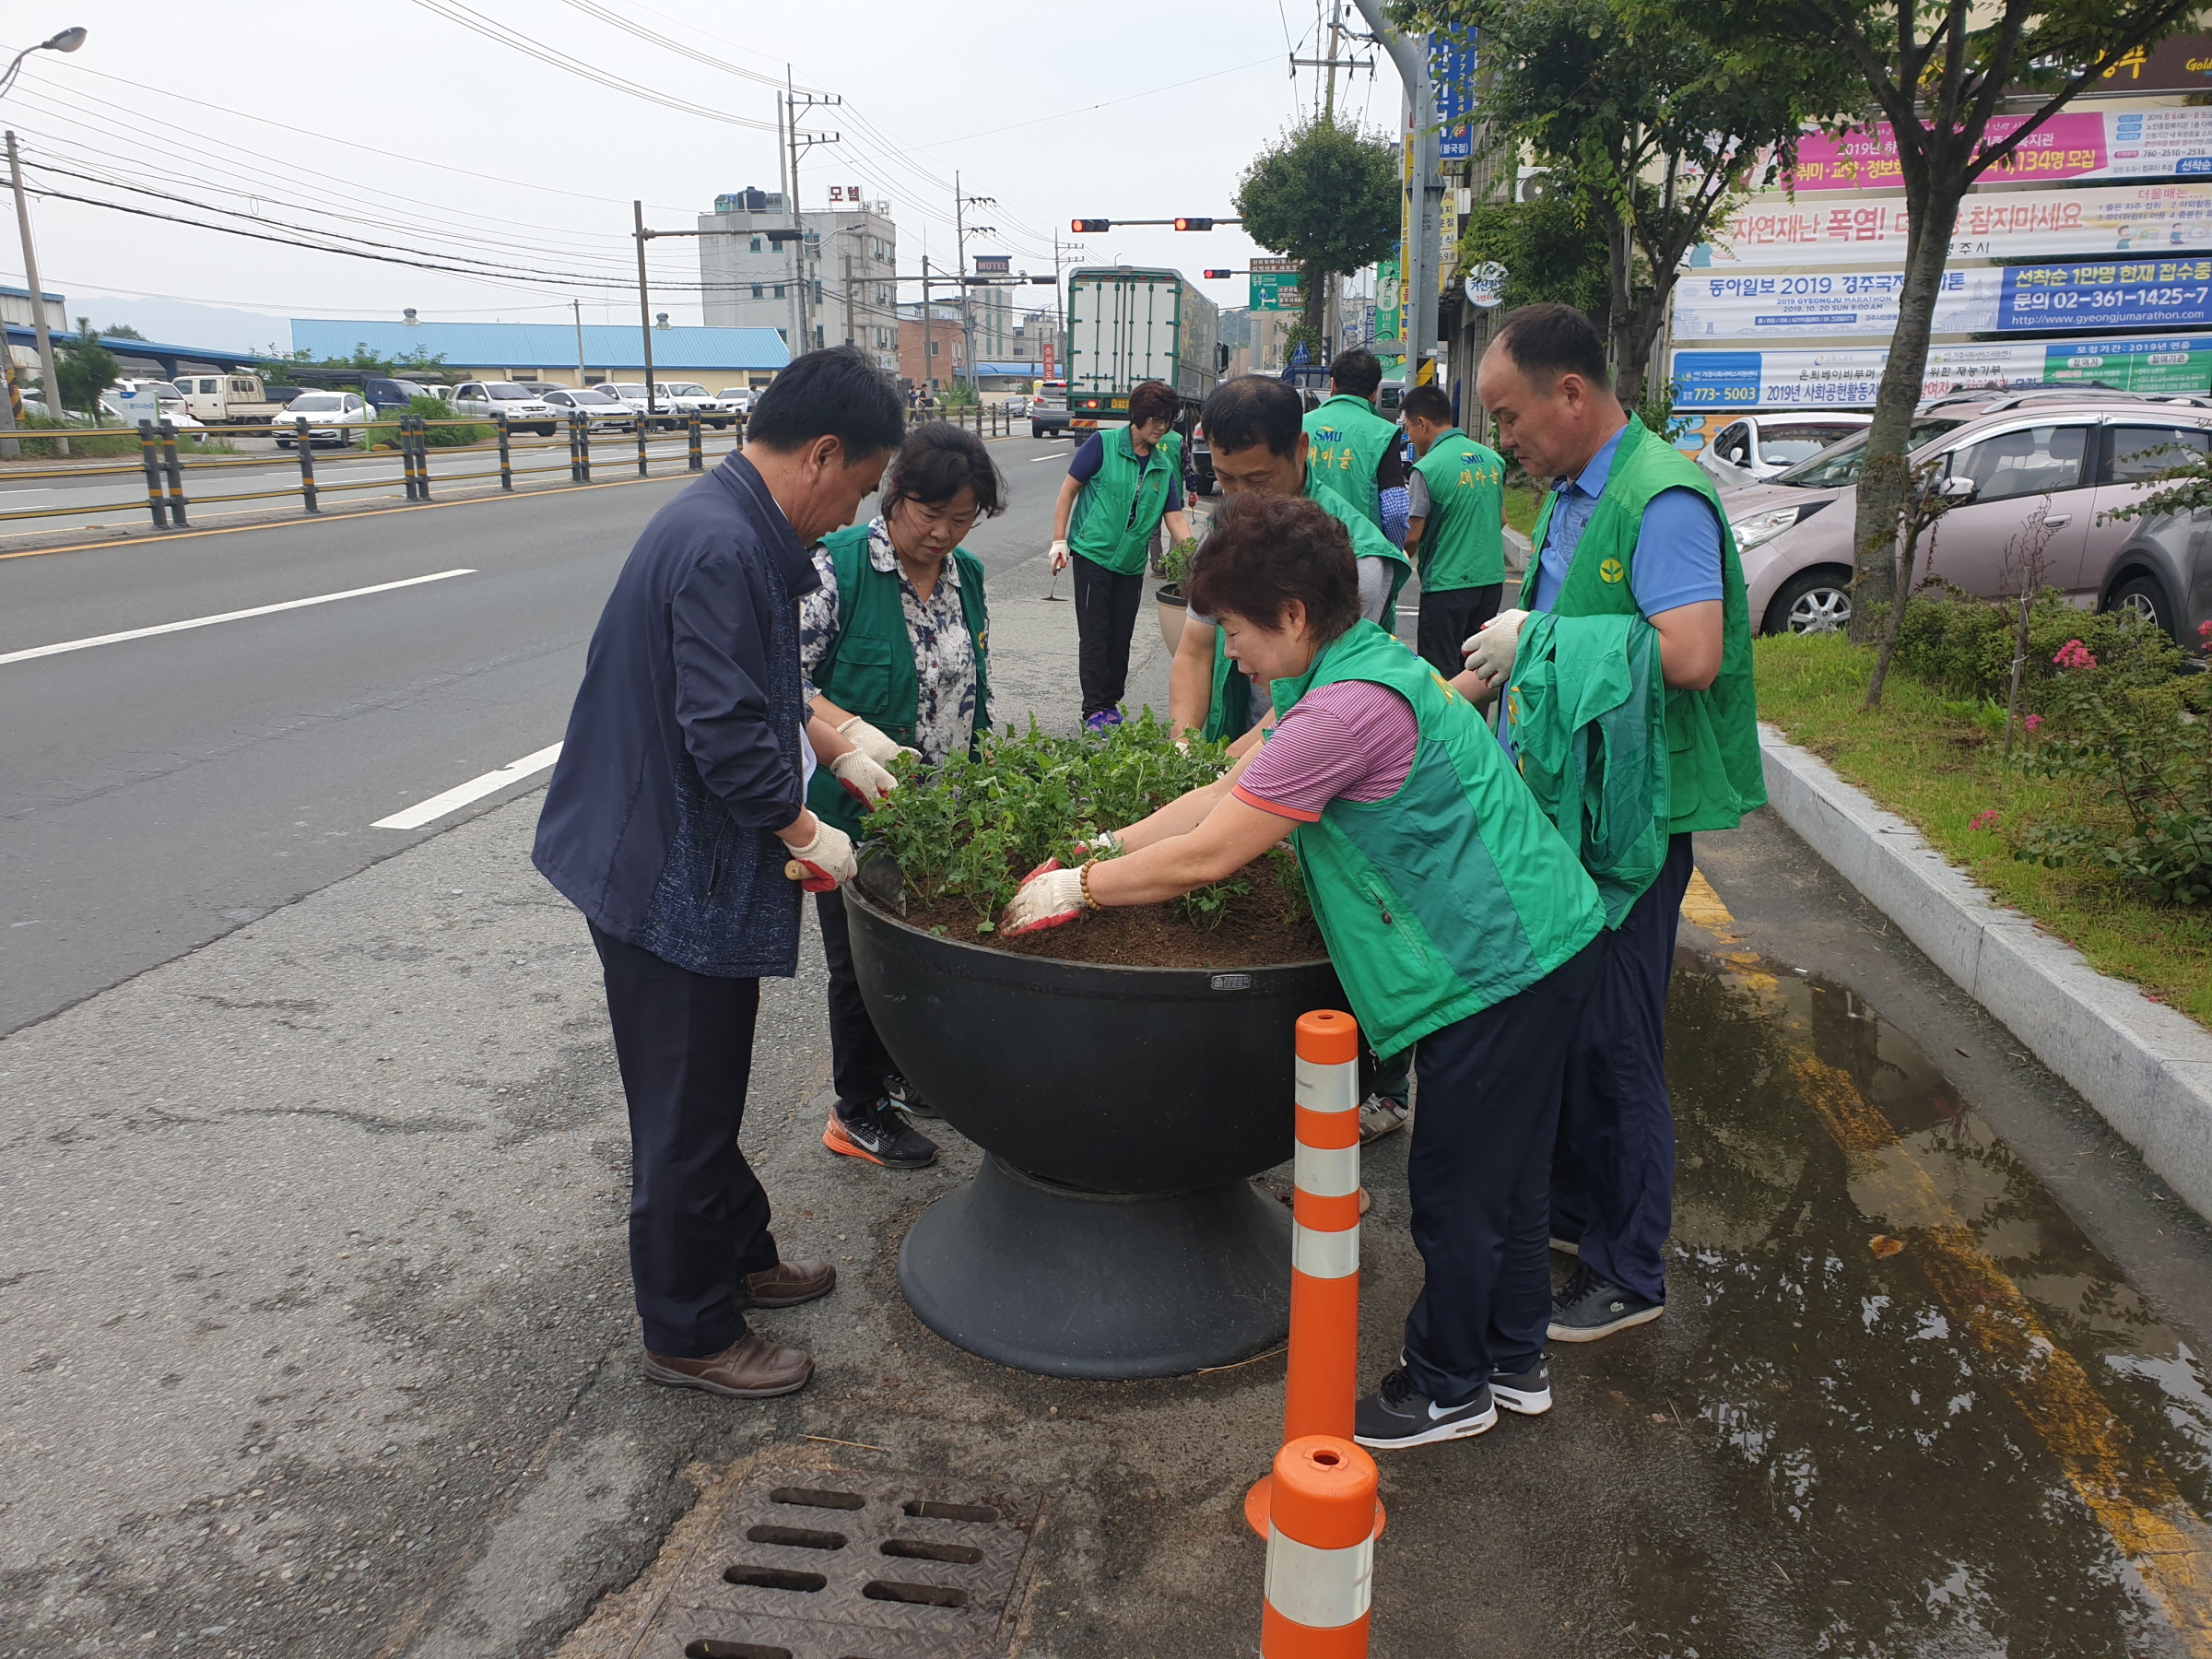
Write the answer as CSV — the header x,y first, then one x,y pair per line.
x,y
682,755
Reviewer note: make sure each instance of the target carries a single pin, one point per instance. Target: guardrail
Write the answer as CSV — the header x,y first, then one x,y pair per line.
x,y
164,472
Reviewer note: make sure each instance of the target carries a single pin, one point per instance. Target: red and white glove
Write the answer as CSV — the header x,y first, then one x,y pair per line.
x,y
824,863
1489,653
1060,556
865,779
1050,897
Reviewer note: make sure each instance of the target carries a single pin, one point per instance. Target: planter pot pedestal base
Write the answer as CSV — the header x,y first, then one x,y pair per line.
x,y
1065,1283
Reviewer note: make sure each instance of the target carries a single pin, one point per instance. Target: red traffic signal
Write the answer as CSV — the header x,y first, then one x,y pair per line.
x,y
1218,275
1091,227
1193,224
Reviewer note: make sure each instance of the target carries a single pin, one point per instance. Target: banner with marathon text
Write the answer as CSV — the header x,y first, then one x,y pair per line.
x,y
2074,144
2127,293
2013,224
1847,378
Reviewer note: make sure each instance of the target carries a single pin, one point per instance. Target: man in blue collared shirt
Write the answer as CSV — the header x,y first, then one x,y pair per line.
x,y
1678,551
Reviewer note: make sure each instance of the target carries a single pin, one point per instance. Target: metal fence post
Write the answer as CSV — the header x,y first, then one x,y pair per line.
x,y
174,470
422,455
506,459
644,430
406,453
583,449
149,457
697,459
307,467
575,470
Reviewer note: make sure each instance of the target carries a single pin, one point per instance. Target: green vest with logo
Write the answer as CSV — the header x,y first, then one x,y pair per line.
x,y
1228,716
1454,893
1345,442
1714,771
1118,512
869,669
1463,534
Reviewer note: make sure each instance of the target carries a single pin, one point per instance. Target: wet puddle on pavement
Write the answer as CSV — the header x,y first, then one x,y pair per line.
x,y
1951,1423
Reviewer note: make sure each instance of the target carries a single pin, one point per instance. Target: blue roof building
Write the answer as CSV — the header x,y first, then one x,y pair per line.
x,y
549,350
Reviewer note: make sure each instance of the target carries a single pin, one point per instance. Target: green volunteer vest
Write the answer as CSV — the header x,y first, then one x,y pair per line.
x,y
1451,895
1345,442
1714,771
1117,513
869,670
1228,716
1463,538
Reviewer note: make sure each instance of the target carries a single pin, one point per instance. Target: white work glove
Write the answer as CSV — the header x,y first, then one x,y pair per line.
x,y
1060,556
1490,652
877,746
864,781
1050,897
823,862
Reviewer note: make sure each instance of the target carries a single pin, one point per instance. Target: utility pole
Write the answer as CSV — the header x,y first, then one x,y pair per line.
x,y
961,231
577,306
1424,196
644,307
794,101
1332,63
929,379
51,369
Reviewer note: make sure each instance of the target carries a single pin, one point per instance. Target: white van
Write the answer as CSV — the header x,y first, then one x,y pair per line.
x,y
228,399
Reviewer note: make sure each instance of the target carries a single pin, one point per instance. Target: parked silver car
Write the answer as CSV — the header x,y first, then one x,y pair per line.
x,y
602,410
332,417
485,400
2078,452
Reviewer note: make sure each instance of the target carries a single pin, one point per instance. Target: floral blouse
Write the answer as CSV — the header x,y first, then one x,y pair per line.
x,y
936,627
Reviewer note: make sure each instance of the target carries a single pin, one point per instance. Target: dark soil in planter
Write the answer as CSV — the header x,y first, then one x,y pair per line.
x,y
1257,929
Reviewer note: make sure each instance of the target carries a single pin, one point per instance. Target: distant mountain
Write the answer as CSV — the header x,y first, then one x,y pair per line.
x,y
182,323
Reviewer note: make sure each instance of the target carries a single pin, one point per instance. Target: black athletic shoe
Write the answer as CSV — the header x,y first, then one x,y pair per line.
x,y
907,1097
1399,1414
1589,1307
877,1134
1525,1393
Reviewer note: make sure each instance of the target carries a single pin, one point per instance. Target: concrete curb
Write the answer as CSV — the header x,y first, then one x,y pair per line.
x,y
2145,1068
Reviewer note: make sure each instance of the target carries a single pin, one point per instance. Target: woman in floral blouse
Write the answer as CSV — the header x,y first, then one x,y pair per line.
x,y
894,647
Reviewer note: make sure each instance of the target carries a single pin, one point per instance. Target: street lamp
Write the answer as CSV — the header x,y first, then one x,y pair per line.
x,y
69,39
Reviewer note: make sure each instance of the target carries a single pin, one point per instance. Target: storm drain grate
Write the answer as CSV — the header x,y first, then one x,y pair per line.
x,y
822,1565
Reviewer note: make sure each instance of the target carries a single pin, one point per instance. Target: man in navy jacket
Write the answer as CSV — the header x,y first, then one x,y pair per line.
x,y
678,799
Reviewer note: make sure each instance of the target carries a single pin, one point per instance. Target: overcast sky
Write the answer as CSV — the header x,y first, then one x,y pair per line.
x,y
396,122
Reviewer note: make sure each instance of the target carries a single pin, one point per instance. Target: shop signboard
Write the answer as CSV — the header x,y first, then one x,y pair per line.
x,y
1848,378
2011,224
2075,144
2087,294
1452,71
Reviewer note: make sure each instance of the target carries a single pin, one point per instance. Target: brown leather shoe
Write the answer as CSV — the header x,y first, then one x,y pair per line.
x,y
788,1284
752,1368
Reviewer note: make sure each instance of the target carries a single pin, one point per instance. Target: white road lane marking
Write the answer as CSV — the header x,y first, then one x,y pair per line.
x,y
476,789
236,615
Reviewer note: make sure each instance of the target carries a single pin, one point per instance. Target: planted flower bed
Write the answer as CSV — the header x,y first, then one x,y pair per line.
x,y
966,832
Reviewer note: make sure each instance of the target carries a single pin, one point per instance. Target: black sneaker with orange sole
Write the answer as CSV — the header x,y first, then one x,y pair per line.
x,y
879,1134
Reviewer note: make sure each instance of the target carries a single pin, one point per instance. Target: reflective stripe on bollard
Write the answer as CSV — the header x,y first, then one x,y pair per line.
x,y
1321,1552
1321,1384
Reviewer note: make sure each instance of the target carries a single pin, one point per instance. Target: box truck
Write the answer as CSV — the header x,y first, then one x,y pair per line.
x,y
1131,323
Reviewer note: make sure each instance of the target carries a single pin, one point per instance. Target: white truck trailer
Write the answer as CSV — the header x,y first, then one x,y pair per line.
x,y
1131,323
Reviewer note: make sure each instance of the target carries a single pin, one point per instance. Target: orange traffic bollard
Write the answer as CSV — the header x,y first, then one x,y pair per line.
x,y
1323,1369
1321,1552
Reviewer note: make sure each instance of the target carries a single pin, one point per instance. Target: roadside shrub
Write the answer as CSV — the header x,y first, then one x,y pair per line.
x,y
384,433
101,442
1965,645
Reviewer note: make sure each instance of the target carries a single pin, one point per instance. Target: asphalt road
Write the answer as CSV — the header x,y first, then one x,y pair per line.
x,y
157,791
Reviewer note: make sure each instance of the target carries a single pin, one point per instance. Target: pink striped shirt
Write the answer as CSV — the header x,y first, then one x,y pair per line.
x,y
1353,740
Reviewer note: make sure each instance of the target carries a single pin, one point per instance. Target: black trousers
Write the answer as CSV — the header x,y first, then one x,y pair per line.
x,y
858,1060
1613,1182
698,1217
1479,1174
1446,621
1106,607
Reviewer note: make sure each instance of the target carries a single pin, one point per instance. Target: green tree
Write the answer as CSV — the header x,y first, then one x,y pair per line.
x,y
86,369
1552,250
121,331
1327,197
1650,124
1940,72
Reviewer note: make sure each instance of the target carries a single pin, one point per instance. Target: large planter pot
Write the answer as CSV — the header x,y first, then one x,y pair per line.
x,y
1113,1231
1173,609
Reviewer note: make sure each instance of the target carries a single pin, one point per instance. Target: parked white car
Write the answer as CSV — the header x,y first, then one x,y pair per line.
x,y
689,398
168,399
602,410
1753,448
336,419
633,393
739,398
487,400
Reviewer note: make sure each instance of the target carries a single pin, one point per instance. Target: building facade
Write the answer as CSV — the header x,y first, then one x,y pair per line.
x,y
835,285
560,352
933,350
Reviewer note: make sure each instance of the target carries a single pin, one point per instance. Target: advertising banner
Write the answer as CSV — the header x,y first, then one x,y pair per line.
x,y
2089,144
1848,378
2133,293
1451,72
2013,224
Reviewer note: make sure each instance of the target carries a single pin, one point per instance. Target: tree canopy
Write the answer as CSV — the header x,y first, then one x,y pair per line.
x,y
86,370
1327,196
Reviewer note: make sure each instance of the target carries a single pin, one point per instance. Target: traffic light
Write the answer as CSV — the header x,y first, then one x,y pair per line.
x,y
1193,224
1218,275
1091,227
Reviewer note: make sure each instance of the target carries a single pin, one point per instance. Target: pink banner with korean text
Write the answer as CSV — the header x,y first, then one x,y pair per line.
x,y
2006,224
2090,144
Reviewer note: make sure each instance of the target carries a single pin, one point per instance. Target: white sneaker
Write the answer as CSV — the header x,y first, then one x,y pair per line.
x,y
1379,1117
